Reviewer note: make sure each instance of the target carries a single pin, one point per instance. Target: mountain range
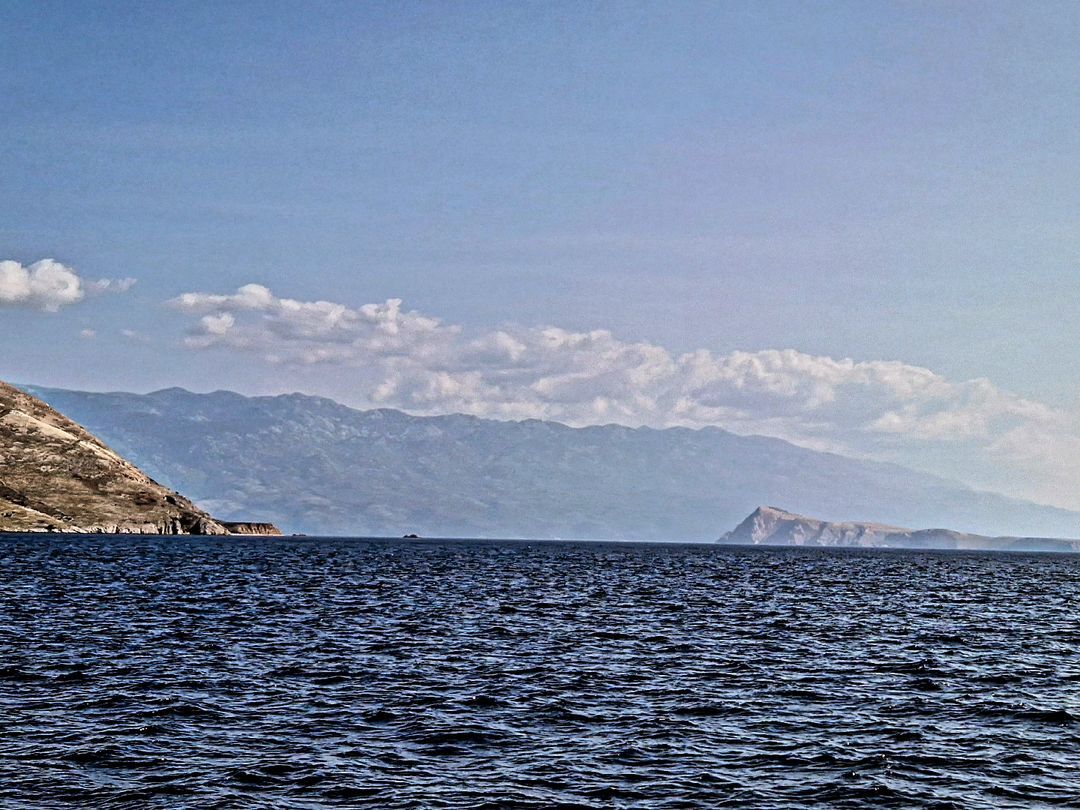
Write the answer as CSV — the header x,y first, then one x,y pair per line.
x,y
312,465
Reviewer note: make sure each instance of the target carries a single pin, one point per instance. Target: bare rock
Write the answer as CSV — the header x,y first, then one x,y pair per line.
x,y
57,477
248,527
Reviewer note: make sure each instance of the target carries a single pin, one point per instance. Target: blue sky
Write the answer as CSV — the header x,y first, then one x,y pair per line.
x,y
885,182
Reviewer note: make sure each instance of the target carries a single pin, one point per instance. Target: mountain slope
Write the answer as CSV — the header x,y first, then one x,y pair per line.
x,y
770,526
313,465
55,476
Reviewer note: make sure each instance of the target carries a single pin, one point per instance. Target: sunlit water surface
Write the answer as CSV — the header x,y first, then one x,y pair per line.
x,y
194,672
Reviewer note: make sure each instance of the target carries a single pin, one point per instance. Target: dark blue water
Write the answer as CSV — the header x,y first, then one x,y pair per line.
x,y
142,672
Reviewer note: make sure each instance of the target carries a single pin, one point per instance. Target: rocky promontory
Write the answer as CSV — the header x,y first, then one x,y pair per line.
x,y
249,527
770,526
57,477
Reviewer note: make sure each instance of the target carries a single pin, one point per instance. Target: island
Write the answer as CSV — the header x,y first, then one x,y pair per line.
x,y
771,526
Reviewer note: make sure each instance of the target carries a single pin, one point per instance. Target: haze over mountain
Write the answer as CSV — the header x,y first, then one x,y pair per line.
x,y
310,464
770,526
55,476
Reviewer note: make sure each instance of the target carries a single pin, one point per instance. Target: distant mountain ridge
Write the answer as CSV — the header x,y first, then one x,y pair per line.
x,y
312,465
770,526
57,477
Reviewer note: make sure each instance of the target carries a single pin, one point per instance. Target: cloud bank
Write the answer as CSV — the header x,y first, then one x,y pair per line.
x,y
48,285
400,358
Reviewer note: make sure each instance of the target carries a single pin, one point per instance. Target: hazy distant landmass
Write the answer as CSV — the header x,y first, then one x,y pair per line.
x,y
770,526
319,467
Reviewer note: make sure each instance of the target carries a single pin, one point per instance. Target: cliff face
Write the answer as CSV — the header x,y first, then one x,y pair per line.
x,y
770,526
56,476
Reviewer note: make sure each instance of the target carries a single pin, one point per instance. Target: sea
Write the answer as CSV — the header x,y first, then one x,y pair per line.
x,y
145,672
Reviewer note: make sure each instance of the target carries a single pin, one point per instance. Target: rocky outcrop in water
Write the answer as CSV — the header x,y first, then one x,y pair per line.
x,y
769,526
57,477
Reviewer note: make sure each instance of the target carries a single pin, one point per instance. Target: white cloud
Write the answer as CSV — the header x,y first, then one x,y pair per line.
x,y
134,336
88,334
48,285
394,357
119,285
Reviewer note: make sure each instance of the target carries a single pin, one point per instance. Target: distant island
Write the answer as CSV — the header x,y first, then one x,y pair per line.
x,y
770,526
55,476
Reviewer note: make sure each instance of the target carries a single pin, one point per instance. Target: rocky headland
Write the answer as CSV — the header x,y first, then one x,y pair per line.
x,y
248,527
770,526
55,476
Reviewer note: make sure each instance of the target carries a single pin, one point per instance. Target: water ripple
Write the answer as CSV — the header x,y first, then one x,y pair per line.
x,y
153,672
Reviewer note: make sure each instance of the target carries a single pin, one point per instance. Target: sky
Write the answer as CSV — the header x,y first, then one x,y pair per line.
x,y
851,225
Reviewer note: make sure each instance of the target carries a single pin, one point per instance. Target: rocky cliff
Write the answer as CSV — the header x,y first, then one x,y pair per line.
x,y
247,527
57,477
770,526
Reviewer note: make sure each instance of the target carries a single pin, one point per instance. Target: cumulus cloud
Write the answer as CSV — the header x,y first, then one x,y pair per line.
x,y
48,285
396,357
